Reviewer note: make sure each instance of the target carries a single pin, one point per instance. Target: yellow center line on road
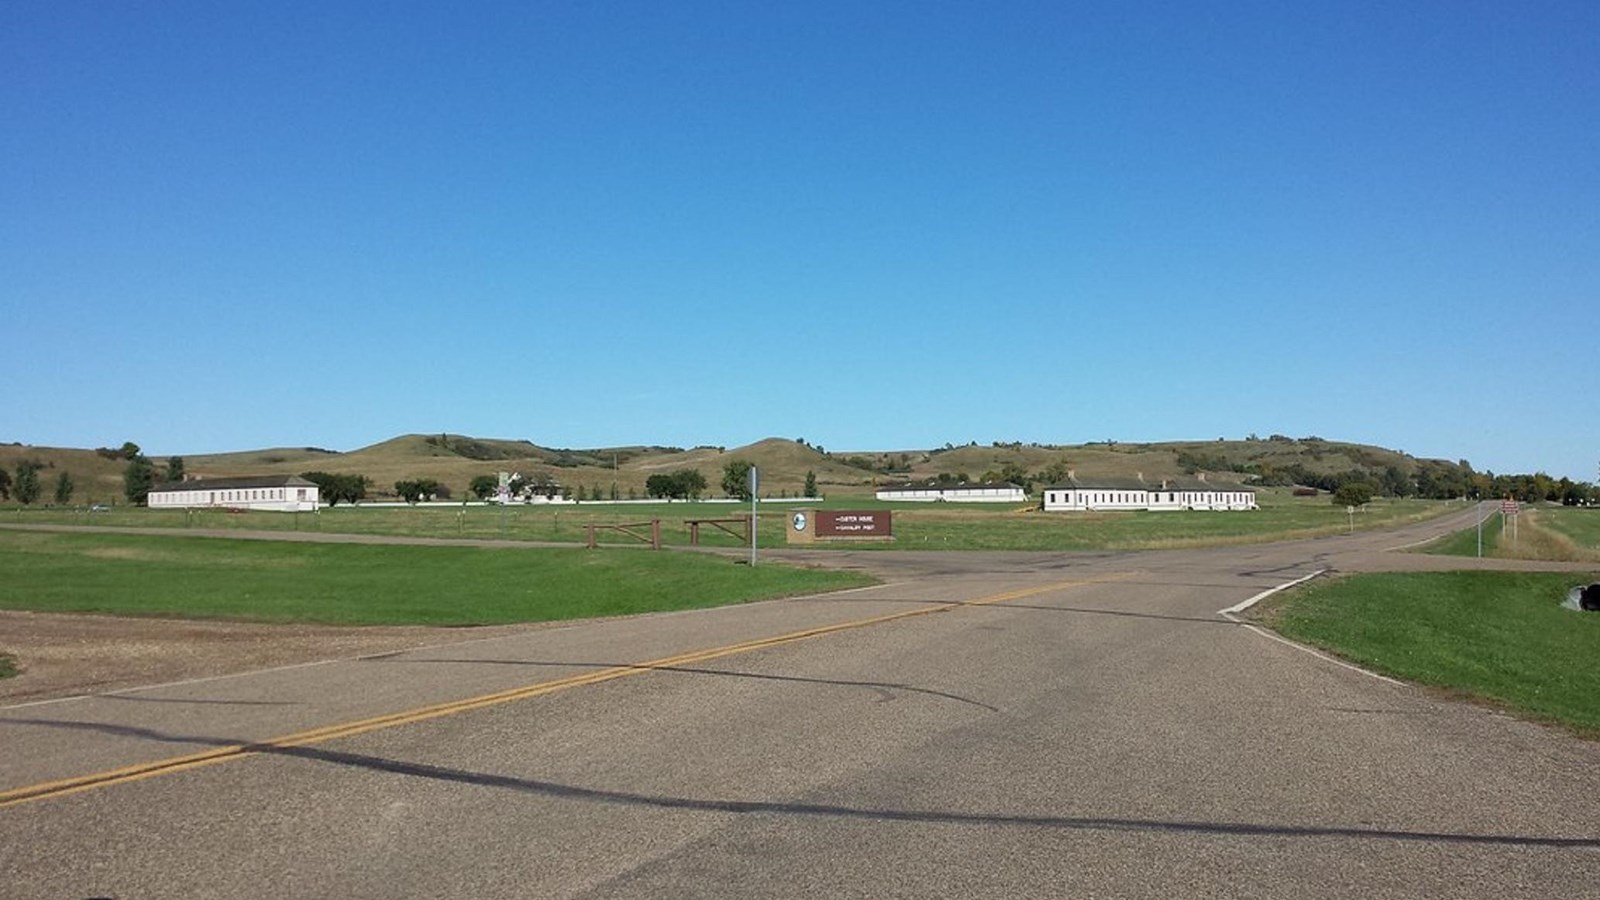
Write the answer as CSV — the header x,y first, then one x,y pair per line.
x,y
139,771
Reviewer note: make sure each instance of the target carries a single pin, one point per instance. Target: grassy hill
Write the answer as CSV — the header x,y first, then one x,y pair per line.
x,y
97,479
453,460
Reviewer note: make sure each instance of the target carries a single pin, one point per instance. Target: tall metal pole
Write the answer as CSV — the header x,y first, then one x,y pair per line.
x,y
754,493
1480,528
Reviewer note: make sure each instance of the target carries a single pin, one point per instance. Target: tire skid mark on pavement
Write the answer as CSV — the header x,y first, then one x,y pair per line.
x,y
171,765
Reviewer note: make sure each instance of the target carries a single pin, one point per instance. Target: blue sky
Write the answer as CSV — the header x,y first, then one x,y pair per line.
x,y
873,225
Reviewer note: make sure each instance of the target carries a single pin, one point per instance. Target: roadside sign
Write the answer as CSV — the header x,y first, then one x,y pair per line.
x,y
1508,507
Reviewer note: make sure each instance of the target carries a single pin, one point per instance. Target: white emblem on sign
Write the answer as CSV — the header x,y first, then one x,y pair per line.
x,y
799,521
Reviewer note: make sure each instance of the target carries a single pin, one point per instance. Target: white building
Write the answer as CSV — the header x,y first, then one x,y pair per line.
x,y
1108,494
278,493
1002,492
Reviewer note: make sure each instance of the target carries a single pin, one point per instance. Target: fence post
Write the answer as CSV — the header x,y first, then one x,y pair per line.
x,y
590,528
655,534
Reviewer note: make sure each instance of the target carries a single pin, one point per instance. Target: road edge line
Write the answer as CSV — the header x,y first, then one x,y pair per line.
x,y
1231,614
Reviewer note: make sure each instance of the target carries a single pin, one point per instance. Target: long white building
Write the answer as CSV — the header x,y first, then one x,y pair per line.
x,y
1107,494
278,493
1002,492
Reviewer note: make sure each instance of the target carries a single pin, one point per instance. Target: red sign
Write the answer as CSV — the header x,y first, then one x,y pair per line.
x,y
1508,506
846,523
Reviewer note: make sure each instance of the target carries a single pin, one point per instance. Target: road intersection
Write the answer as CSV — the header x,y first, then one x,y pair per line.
x,y
980,725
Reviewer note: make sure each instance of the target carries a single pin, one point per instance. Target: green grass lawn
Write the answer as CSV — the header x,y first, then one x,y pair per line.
x,y
1497,636
370,585
1581,526
918,526
1465,543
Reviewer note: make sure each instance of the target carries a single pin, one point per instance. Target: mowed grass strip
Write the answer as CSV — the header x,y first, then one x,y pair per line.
x,y
1548,533
343,584
1502,637
1465,543
1580,526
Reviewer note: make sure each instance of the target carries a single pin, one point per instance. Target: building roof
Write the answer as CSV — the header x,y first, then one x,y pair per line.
x,y
233,484
1140,484
964,486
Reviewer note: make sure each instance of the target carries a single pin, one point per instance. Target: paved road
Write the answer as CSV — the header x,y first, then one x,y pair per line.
x,y
982,725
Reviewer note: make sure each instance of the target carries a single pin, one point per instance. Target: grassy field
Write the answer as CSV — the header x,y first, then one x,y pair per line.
x,y
344,584
1465,543
916,525
1500,637
8,665
1564,534
1581,527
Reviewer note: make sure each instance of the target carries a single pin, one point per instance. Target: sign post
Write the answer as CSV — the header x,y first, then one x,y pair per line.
x,y
754,483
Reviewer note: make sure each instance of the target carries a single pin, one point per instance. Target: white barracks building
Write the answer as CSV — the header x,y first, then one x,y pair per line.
x,y
278,493
1108,494
987,492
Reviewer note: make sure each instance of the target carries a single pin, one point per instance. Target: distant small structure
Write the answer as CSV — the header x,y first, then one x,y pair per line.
x,y
513,488
274,493
933,492
1103,494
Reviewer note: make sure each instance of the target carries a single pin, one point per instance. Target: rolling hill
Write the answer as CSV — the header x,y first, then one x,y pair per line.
x,y
454,460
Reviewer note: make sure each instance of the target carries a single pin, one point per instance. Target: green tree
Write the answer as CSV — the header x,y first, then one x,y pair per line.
x,y
683,484
130,451
336,489
1017,475
27,484
1353,493
811,483
175,468
692,483
1396,483
1058,472
5,485
137,479
736,479
484,486
416,489
64,488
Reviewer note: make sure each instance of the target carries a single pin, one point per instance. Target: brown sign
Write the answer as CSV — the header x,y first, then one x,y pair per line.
x,y
857,523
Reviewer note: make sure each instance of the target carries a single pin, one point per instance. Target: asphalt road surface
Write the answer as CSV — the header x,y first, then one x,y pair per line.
x,y
981,725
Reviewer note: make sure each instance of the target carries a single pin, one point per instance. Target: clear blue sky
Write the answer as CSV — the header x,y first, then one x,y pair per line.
x,y
229,226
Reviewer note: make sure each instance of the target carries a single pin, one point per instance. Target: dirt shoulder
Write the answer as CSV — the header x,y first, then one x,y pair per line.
x,y
63,655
